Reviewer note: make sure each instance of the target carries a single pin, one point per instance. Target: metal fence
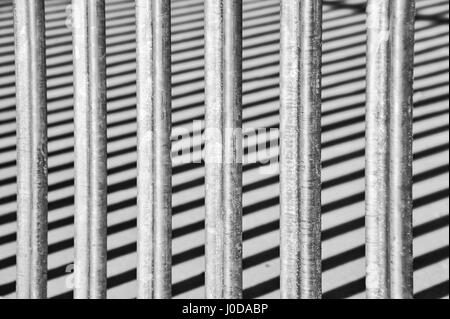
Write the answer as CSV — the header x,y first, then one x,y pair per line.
x,y
390,47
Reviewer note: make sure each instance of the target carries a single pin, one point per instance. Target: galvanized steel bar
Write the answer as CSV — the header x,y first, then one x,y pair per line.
x,y
232,173
154,148
390,55
377,149
31,110
401,106
223,154
144,93
89,53
300,152
290,267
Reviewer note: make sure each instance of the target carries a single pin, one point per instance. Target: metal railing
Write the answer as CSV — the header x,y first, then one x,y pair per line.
x,y
390,49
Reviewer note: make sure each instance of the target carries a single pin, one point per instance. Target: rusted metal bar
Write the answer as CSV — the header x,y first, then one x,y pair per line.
x,y
300,157
390,55
401,100
377,149
223,154
31,110
154,148
89,53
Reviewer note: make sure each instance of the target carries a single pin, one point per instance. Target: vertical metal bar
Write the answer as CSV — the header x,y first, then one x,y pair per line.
x,y
214,152
310,148
144,93
401,81
300,152
163,164
223,157
89,50
289,150
377,149
29,32
390,56
233,148
154,148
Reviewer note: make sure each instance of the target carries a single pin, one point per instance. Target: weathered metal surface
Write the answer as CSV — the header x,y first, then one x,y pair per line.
x,y
300,151
223,153
89,54
377,149
154,150
31,110
390,53
401,107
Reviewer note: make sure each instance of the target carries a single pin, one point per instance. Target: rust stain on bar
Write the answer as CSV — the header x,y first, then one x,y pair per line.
x,y
154,148
89,53
31,106
300,152
223,154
